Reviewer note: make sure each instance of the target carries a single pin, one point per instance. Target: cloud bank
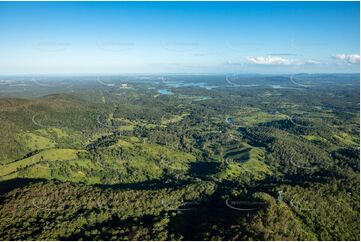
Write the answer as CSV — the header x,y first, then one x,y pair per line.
x,y
313,62
348,58
269,60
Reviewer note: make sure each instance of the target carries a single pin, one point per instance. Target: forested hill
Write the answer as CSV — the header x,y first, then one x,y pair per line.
x,y
182,158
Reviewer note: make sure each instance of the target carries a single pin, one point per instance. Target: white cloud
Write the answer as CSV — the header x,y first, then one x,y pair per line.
x,y
230,62
348,58
269,60
313,62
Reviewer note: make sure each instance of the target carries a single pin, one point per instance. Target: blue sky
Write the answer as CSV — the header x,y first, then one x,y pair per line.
x,y
178,37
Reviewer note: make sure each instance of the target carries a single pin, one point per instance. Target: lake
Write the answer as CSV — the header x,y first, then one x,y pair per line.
x,y
165,92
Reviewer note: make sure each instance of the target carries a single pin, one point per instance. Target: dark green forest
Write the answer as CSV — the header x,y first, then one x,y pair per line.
x,y
251,161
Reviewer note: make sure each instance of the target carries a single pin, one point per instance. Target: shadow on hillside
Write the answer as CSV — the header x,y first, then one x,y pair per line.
x,y
9,185
153,184
203,168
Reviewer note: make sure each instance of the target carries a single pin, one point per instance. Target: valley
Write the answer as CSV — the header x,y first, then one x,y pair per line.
x,y
163,158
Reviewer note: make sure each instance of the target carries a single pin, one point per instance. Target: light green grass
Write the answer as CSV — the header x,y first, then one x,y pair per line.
x,y
315,138
260,117
148,160
174,119
124,143
346,139
46,169
245,163
34,141
156,150
41,138
49,155
49,132
252,169
249,116
129,127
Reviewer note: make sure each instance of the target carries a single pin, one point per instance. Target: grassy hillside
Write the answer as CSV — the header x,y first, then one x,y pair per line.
x,y
240,163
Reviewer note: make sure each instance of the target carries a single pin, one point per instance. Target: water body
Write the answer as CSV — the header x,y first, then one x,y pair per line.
x,y
249,85
281,87
202,85
165,92
276,86
190,84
